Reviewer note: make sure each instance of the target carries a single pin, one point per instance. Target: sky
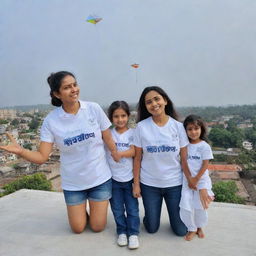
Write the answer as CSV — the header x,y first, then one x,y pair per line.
x,y
201,52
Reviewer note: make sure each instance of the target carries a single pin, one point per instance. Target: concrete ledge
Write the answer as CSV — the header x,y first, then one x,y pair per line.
x,y
35,223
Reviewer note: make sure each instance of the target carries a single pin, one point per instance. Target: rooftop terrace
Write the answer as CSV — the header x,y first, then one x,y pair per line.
x,y
35,223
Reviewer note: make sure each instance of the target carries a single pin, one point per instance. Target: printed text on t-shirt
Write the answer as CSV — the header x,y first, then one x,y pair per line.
x,y
159,149
78,138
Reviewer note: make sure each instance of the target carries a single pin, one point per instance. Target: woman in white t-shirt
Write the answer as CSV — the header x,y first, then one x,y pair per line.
x,y
79,129
160,149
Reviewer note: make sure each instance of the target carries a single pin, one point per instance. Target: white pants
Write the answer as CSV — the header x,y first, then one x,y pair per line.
x,y
194,219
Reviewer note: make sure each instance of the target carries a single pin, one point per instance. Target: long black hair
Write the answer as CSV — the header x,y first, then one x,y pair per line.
x,y
196,120
141,107
54,81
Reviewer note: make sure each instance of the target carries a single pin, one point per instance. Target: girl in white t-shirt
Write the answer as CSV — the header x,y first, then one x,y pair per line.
x,y
124,206
160,152
193,204
79,129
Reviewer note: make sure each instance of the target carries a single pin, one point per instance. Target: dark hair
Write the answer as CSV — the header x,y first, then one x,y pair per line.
x,y
54,81
115,105
141,107
196,120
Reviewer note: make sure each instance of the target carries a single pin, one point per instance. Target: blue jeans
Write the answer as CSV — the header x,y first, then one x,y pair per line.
x,y
122,200
152,200
99,193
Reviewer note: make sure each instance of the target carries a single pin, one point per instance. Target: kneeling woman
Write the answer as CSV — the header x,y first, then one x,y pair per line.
x,y
160,149
78,128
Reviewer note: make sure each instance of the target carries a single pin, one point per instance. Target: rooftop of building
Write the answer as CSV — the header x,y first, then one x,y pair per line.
x,y
35,223
225,167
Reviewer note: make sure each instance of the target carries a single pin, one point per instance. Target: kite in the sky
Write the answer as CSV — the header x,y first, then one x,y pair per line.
x,y
135,65
93,19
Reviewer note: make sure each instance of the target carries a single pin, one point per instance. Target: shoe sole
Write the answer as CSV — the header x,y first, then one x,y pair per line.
x,y
133,248
122,245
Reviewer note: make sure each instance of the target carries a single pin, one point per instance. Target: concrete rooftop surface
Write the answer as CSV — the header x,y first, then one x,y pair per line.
x,y
34,223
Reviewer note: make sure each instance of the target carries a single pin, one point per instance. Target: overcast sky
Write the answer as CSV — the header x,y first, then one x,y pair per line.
x,y
202,52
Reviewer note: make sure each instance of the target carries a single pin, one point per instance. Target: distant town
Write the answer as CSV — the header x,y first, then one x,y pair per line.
x,y
231,133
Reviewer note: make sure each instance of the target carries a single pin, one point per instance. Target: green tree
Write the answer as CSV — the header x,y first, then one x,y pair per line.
x,y
250,135
28,146
225,191
3,121
237,137
36,181
247,158
15,122
220,137
33,125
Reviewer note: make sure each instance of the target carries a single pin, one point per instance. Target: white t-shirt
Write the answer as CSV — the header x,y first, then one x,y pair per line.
x,y
190,199
160,165
122,170
196,154
79,139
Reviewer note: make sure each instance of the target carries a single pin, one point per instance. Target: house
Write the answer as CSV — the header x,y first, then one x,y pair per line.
x,y
227,172
2,158
244,125
247,145
2,129
224,171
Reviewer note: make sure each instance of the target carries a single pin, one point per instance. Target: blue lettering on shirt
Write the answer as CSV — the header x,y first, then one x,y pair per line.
x,y
78,138
124,145
160,149
194,157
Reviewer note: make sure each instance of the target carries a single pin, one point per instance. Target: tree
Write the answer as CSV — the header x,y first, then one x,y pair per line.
x,y
33,125
232,138
237,138
36,181
247,158
3,121
250,135
225,191
28,146
220,137
15,122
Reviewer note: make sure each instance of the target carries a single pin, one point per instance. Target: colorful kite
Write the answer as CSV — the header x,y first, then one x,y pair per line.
x,y
135,65
93,19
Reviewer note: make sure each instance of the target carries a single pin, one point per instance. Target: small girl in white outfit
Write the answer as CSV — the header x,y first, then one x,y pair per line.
x,y
193,202
123,204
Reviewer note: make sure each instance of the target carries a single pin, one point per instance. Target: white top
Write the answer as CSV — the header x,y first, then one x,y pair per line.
x,y
122,170
160,165
79,139
196,154
190,199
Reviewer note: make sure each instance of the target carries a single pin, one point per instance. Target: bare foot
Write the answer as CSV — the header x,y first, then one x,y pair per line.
x,y
190,235
200,233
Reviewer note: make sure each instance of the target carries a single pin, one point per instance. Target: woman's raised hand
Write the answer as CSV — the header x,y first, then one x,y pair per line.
x,y
14,147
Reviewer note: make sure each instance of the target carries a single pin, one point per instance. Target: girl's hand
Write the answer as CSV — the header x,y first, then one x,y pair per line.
x,y
136,191
205,198
14,147
116,155
192,182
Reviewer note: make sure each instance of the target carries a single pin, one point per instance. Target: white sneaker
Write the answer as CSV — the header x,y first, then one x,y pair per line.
x,y
133,242
122,240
